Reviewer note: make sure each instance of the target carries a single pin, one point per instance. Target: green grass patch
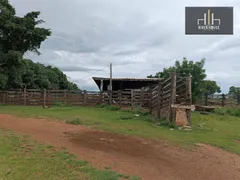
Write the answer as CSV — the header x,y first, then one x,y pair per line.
x,y
75,121
22,158
215,129
233,111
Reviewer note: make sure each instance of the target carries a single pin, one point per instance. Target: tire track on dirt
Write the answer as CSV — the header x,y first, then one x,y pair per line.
x,y
152,160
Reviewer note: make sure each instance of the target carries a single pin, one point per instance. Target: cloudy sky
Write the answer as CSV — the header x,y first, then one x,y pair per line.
x,y
140,37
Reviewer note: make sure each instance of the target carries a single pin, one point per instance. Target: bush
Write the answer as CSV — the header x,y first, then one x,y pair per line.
x,y
75,121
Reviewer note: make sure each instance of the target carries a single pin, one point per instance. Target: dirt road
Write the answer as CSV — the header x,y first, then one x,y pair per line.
x,y
152,160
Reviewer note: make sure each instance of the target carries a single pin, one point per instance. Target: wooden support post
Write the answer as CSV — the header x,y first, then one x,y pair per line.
x,y
172,97
25,96
101,97
44,98
110,97
159,100
189,89
189,96
101,87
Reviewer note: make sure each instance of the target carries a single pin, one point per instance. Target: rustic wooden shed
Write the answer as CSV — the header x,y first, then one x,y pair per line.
x,y
125,83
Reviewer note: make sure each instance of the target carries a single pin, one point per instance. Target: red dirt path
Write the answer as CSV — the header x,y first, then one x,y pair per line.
x,y
152,160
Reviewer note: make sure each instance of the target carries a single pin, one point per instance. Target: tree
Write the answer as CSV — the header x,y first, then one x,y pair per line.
x,y
235,93
20,33
208,88
17,36
185,68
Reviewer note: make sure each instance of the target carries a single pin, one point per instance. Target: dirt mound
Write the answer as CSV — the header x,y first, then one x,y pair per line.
x,y
152,160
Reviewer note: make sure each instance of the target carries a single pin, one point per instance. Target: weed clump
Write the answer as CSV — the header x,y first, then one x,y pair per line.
x,y
75,121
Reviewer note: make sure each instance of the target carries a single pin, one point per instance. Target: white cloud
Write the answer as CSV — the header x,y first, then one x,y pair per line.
x,y
139,37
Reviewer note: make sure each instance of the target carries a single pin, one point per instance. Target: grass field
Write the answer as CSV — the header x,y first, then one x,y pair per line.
x,y
22,158
218,129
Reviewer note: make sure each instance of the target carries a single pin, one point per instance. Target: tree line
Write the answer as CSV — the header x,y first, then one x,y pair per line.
x,y
19,35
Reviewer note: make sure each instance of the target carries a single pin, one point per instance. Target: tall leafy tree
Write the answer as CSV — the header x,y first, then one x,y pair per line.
x,y
208,88
17,36
185,68
235,93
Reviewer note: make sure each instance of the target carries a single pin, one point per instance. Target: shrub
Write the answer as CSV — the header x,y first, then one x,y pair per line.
x,y
75,121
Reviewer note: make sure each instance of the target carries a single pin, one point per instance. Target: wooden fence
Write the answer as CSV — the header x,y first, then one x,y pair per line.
x,y
160,100
221,100
30,97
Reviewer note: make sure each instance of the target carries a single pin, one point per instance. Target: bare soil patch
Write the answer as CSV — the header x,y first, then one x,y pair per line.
x,y
150,159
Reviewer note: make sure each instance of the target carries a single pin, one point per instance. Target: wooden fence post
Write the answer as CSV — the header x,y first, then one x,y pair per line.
x,y
132,100
173,96
223,100
159,100
206,99
120,97
44,98
110,97
142,97
150,104
24,96
189,95
85,97
65,96
100,97
238,99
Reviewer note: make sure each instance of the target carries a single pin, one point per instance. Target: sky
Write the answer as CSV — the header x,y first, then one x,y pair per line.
x,y
139,37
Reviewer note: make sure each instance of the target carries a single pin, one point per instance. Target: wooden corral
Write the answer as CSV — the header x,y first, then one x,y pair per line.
x,y
161,99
